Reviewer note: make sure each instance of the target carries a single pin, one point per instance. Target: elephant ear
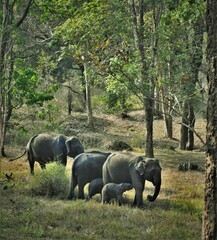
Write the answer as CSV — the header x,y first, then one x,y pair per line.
x,y
68,145
140,167
157,162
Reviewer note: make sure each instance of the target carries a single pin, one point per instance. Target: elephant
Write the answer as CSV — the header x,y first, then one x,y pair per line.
x,y
86,167
135,169
114,190
94,187
45,148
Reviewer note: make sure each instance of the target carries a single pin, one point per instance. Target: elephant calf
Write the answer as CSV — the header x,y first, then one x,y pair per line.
x,y
95,187
114,190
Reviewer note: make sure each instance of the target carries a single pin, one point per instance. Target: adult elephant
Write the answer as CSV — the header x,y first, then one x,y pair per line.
x,y
45,148
86,167
130,168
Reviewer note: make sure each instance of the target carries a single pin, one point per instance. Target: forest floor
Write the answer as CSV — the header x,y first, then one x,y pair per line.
x,y
176,214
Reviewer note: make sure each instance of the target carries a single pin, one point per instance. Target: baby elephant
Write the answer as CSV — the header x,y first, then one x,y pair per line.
x,y
113,190
94,187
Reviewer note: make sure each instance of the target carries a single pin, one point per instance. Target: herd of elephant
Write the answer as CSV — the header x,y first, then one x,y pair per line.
x,y
107,173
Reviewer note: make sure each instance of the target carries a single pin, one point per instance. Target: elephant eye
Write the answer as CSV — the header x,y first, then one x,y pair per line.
x,y
141,170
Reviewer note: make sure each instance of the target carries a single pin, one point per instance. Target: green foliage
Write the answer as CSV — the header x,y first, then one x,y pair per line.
x,y
51,182
18,135
180,50
122,82
26,86
92,33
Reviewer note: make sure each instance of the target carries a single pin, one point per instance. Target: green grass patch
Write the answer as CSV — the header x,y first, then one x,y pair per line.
x,y
51,182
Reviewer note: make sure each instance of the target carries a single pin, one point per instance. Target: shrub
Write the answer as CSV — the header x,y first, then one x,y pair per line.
x,y
51,182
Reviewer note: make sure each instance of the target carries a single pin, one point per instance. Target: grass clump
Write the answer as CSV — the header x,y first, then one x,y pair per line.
x,y
51,182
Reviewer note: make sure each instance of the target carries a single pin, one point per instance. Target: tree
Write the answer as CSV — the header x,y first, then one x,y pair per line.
x,y
181,48
90,34
210,208
20,76
195,46
10,22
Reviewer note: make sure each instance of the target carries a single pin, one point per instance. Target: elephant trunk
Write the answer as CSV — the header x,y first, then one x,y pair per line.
x,y
156,191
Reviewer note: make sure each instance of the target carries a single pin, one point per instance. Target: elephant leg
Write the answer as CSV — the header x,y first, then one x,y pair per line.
x,y
31,164
105,200
42,165
120,200
134,201
74,183
80,191
138,198
63,159
139,188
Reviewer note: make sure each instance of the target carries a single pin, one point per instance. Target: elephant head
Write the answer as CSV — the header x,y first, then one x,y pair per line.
x,y
126,186
150,169
74,147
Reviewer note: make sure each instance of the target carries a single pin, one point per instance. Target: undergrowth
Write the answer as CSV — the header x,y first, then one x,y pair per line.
x,y
51,182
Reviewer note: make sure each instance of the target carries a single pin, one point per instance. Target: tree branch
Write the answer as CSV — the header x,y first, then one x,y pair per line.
x,y
67,86
192,129
24,13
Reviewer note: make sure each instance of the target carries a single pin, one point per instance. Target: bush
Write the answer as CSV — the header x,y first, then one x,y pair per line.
x,y
51,182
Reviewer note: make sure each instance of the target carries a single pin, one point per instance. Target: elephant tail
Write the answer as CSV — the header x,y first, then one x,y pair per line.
x,y
12,159
28,146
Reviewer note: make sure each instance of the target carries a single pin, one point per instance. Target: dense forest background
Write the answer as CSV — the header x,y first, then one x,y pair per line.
x,y
62,57
111,72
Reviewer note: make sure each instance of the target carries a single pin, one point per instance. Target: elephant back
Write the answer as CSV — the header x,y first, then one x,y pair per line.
x,y
116,168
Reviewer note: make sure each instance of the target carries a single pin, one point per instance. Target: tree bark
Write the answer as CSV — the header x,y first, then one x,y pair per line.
x,y
184,128
210,207
148,91
3,47
69,102
88,97
168,121
191,119
149,149
157,107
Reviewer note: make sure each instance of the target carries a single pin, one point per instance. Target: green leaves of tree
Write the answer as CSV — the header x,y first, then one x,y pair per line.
x,y
27,88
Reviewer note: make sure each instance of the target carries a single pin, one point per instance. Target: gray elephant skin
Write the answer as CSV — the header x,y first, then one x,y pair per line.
x,y
45,148
131,168
94,187
86,167
114,190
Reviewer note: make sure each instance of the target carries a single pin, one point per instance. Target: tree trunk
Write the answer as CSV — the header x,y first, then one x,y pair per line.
x,y
149,148
88,97
8,28
81,66
168,121
191,119
157,107
184,128
147,87
210,207
3,48
2,136
69,101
